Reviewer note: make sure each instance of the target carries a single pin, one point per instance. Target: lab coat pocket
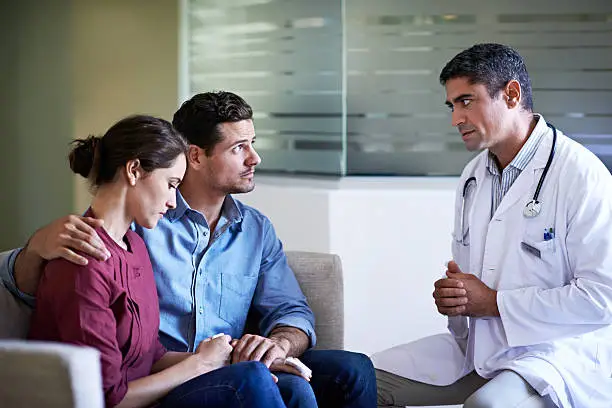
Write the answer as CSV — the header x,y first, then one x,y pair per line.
x,y
541,261
539,249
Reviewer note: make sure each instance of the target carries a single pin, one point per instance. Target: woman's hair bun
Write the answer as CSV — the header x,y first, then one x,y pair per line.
x,y
83,154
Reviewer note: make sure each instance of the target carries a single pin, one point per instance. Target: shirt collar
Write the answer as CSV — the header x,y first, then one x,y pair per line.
x,y
229,210
181,207
524,156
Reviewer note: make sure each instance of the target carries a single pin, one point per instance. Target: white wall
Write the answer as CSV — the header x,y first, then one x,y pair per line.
x,y
298,212
393,235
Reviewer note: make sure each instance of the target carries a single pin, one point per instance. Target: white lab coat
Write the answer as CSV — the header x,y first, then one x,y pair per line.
x,y
556,310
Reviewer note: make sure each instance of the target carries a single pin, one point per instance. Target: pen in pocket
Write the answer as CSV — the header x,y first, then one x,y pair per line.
x,y
549,234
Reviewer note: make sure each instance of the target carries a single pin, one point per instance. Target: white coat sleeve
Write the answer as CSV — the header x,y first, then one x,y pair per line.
x,y
534,315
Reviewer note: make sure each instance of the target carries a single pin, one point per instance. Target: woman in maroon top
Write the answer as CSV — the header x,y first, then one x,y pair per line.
x,y
112,305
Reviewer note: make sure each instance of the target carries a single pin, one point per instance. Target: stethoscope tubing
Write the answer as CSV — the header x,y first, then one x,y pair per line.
x,y
536,193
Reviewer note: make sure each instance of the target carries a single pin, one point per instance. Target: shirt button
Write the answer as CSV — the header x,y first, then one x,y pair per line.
x,y
205,233
201,310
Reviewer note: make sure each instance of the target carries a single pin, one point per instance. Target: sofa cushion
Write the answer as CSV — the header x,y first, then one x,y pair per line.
x,y
14,316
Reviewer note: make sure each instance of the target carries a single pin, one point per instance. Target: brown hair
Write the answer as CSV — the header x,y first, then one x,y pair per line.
x,y
153,141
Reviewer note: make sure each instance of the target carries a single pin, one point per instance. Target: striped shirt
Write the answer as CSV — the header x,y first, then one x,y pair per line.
x,y
503,179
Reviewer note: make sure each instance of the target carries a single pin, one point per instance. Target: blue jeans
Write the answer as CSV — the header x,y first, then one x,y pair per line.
x,y
241,385
340,379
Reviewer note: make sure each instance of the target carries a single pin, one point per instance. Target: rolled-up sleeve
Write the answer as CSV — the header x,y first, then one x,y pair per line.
x,y
278,297
7,275
77,300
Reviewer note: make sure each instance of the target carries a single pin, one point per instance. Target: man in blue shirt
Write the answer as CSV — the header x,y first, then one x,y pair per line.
x,y
216,259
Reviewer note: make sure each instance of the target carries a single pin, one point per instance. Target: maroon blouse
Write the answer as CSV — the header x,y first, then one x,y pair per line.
x,y
109,305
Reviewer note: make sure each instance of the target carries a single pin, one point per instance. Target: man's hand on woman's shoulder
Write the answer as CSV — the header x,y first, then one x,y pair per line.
x,y
59,239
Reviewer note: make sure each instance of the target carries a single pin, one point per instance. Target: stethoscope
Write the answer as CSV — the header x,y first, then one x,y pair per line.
x,y
532,208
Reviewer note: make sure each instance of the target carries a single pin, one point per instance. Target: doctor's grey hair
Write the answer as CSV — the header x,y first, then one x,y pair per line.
x,y
493,65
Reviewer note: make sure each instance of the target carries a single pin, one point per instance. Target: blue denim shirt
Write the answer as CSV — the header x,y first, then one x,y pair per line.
x,y
208,285
7,263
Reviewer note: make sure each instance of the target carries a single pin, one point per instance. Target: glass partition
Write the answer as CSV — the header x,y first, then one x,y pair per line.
x,y
285,59
351,87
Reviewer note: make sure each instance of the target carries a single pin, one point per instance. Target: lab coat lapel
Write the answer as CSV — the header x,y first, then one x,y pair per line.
x,y
523,188
479,218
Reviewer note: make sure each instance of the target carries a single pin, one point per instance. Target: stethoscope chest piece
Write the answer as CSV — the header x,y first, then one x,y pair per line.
x,y
532,209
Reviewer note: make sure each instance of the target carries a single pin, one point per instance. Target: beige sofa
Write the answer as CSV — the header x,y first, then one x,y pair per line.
x,y
46,375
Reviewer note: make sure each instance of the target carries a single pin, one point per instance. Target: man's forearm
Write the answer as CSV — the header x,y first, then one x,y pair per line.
x,y
27,270
292,339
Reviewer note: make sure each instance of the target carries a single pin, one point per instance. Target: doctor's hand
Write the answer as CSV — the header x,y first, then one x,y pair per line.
x,y
479,300
450,296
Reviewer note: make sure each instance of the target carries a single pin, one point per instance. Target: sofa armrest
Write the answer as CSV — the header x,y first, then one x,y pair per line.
x,y
49,375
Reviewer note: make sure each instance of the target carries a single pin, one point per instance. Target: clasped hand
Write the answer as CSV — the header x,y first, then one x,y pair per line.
x,y
271,352
461,294
220,350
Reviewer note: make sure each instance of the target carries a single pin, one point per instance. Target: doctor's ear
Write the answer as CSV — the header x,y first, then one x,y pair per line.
x,y
512,93
133,171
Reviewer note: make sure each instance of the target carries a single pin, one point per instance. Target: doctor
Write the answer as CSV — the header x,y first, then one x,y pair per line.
x,y
528,293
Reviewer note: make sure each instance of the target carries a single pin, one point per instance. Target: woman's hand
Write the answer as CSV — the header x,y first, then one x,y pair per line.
x,y
215,351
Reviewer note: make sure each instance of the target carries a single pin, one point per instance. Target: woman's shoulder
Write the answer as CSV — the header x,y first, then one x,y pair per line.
x,y
63,280
95,270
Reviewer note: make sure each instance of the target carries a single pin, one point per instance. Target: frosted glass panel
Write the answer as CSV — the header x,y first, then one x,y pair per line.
x,y
397,122
286,58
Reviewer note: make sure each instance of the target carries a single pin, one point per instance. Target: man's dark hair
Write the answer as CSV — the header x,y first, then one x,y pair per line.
x,y
198,118
493,65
